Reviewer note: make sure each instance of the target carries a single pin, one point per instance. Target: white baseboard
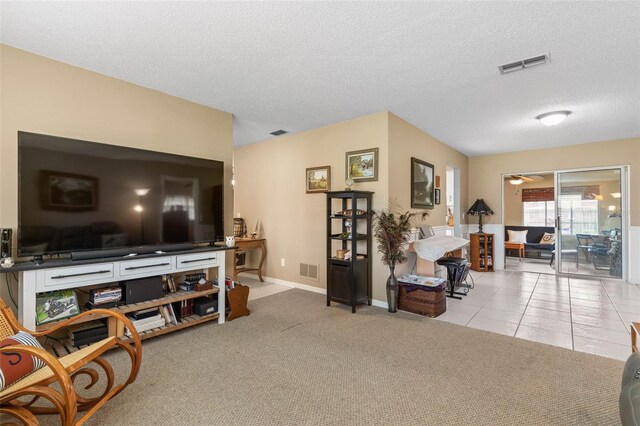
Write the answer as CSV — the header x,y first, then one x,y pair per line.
x,y
291,284
380,304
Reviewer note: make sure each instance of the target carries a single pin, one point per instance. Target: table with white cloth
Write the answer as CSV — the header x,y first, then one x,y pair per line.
x,y
433,248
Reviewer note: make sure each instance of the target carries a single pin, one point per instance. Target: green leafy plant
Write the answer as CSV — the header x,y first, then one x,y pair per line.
x,y
392,231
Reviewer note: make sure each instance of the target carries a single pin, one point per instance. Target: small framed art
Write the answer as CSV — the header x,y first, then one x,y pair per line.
x,y
362,166
318,179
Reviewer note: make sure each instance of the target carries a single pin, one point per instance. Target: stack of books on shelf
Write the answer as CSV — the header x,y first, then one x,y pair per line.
x,y
197,282
104,298
168,284
146,319
186,308
169,314
87,333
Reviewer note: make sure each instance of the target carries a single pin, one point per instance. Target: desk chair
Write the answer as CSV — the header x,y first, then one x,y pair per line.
x,y
585,243
599,252
457,272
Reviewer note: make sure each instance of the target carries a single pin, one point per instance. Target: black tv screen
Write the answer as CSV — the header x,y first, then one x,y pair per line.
x,y
78,195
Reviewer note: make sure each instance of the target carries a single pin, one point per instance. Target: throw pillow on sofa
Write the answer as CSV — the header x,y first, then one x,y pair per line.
x,y
517,236
16,365
548,238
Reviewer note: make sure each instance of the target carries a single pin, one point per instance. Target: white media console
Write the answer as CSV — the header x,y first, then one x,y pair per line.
x,y
65,274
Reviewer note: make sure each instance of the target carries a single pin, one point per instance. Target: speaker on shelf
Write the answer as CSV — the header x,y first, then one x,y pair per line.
x,y
5,248
5,242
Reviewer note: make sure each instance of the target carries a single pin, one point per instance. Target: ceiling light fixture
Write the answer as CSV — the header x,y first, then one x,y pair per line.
x,y
553,118
517,181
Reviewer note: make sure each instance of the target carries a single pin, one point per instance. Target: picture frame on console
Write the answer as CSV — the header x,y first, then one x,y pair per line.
x,y
422,184
69,191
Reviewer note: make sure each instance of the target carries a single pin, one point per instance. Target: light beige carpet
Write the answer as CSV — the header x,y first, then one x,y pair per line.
x,y
296,362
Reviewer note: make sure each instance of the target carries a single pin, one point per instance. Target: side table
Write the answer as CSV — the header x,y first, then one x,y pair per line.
x,y
246,244
515,246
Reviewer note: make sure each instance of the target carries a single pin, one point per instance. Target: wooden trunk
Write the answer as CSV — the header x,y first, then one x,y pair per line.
x,y
422,300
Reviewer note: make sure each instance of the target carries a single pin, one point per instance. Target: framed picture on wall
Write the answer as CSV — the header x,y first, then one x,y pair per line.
x,y
69,192
318,179
422,184
437,196
362,166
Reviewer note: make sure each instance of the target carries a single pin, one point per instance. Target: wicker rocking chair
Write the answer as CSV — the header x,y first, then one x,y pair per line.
x,y
63,399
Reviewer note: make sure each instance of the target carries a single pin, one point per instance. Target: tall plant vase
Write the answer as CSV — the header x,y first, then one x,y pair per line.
x,y
392,291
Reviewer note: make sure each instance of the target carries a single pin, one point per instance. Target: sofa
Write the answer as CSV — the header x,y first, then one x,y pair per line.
x,y
532,248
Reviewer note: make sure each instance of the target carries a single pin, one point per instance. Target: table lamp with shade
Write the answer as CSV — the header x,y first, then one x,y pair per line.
x,y
480,208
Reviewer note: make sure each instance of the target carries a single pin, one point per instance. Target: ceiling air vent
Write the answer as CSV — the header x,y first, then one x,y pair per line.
x,y
279,132
525,63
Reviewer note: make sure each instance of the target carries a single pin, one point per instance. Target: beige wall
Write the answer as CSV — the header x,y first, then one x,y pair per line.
x,y
485,172
41,95
406,141
270,187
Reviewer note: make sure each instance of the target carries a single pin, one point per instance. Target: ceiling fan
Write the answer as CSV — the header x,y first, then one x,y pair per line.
x,y
520,179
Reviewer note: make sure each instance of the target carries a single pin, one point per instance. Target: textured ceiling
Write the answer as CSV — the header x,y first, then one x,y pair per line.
x,y
301,65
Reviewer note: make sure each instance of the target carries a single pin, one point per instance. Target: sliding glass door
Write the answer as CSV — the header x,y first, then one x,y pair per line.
x,y
589,225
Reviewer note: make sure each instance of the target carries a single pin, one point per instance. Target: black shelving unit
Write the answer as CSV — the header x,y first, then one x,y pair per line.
x,y
349,281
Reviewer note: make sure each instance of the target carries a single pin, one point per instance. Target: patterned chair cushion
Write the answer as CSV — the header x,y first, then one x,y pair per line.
x,y
13,365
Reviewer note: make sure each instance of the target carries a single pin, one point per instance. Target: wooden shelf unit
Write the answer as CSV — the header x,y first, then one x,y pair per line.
x,y
482,252
125,309
64,347
349,281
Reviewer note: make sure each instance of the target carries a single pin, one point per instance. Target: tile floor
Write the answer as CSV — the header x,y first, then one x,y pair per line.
x,y
586,315
261,289
542,266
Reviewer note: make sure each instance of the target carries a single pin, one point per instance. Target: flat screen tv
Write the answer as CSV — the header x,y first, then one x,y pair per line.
x,y
77,195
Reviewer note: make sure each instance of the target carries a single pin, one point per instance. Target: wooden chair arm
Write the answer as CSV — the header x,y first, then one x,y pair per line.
x,y
69,321
61,374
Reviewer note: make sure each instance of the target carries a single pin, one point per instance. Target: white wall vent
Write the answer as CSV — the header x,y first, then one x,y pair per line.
x,y
525,63
309,271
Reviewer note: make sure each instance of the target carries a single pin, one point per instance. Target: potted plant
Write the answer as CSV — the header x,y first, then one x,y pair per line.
x,y
392,231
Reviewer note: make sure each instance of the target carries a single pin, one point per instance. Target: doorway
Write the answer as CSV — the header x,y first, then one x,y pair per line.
x,y
590,227
452,197
567,222
529,213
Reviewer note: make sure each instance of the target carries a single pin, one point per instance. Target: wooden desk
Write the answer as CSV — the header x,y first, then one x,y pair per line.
x,y
250,244
515,246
